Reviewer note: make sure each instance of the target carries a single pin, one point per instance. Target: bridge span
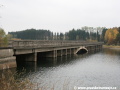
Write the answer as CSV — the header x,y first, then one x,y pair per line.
x,y
30,50
33,50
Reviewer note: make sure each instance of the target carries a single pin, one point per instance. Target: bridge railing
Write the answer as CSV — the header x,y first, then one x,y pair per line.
x,y
49,43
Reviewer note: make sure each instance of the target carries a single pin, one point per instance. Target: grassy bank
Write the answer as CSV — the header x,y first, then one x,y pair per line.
x,y
111,46
10,81
13,81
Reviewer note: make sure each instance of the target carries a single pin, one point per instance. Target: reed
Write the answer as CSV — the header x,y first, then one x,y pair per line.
x,y
14,81
10,81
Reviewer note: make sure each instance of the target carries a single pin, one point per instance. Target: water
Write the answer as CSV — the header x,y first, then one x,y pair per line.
x,y
94,69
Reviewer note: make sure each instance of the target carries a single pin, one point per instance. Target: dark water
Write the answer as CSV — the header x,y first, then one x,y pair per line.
x,y
94,69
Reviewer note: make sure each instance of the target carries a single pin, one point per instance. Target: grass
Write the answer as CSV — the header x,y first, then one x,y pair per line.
x,y
13,81
10,81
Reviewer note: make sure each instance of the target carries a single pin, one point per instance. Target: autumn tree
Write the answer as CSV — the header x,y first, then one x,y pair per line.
x,y
118,38
110,36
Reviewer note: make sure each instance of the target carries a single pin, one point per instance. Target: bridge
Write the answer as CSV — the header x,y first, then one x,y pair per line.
x,y
31,50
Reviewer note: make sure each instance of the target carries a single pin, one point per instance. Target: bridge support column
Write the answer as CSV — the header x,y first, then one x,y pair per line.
x,y
92,48
31,57
51,53
55,53
59,53
97,48
101,47
72,50
35,56
69,51
64,52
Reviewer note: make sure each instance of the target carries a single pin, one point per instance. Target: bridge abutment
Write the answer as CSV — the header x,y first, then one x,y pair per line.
x,y
7,60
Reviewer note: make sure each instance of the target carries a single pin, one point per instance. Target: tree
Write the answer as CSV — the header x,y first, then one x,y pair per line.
x,y
118,38
98,36
33,34
3,38
61,36
103,34
77,37
58,36
111,35
9,36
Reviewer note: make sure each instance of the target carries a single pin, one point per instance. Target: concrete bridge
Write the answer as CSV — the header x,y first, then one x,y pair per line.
x,y
31,50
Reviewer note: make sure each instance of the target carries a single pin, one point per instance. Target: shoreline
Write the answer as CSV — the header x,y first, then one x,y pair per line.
x,y
111,47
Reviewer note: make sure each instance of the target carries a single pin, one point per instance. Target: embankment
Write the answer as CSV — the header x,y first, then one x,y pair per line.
x,y
7,60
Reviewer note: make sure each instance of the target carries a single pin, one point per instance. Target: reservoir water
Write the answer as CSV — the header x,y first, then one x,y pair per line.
x,y
100,69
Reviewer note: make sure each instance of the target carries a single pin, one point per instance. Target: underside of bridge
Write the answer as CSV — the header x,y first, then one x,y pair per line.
x,y
54,53
82,51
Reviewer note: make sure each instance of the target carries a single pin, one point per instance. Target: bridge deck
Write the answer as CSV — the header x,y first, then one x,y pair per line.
x,y
43,44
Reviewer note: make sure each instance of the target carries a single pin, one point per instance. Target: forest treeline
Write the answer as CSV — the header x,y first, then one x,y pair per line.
x,y
110,36
85,33
32,34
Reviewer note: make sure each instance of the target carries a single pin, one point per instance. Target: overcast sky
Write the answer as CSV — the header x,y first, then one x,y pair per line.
x,y
58,15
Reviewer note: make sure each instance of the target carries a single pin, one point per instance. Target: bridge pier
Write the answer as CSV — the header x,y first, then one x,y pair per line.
x,y
64,53
35,56
51,53
59,53
68,51
96,48
73,50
